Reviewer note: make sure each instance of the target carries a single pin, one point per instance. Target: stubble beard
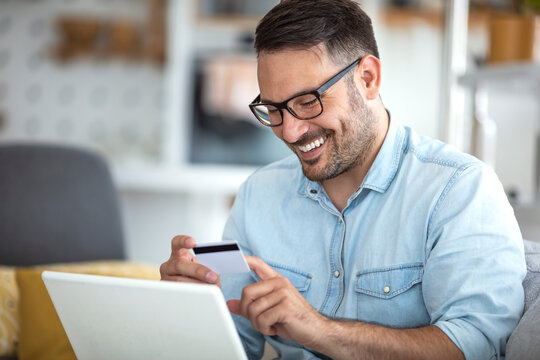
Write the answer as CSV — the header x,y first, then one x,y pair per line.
x,y
358,136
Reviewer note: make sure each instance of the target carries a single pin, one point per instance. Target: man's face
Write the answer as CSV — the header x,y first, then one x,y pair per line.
x,y
338,139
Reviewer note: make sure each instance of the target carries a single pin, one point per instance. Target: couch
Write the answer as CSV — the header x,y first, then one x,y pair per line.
x,y
524,343
58,205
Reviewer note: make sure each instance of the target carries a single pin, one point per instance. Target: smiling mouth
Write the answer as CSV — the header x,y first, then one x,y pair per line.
x,y
314,144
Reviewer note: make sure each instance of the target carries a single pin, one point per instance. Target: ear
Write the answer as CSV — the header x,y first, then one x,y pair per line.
x,y
368,76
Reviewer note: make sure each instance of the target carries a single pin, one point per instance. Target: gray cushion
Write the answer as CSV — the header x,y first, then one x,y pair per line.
x,y
524,343
58,204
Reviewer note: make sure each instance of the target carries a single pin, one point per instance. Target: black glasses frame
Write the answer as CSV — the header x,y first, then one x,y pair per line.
x,y
283,105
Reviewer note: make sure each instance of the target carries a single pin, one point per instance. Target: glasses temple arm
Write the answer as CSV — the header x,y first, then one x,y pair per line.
x,y
338,77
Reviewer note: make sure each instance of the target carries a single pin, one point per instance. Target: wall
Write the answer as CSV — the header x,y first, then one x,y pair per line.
x,y
153,219
412,57
136,113
113,106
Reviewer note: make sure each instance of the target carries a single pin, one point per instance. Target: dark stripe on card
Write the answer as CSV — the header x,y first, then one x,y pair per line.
x,y
215,248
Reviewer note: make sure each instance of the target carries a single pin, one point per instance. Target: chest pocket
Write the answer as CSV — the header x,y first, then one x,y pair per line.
x,y
386,283
300,279
392,296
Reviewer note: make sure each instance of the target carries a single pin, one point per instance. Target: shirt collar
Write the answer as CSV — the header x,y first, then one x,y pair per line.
x,y
382,171
384,168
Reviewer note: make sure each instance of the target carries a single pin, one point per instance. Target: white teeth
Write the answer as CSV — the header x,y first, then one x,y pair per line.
x,y
311,146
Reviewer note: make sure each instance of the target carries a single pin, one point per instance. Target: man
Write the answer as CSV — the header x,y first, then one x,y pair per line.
x,y
372,242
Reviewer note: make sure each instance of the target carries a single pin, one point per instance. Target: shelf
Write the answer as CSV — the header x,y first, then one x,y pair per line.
x,y
241,22
396,16
392,16
192,179
502,73
406,16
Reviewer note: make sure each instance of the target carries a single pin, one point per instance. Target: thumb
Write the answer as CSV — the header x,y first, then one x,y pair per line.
x,y
234,306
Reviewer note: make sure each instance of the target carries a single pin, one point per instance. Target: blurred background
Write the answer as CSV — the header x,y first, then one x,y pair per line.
x,y
161,88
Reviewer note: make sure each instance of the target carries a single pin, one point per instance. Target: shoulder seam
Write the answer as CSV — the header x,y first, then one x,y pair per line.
x,y
460,170
280,164
269,167
447,163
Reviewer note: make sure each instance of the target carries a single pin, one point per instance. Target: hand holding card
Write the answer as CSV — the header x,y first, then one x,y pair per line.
x,y
223,257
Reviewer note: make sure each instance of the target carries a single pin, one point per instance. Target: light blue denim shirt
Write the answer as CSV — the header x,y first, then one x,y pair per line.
x,y
429,238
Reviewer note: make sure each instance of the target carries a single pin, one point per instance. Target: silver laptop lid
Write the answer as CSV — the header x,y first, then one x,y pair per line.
x,y
118,318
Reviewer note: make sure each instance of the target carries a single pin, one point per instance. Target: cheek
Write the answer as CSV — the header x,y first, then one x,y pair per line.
x,y
278,131
344,126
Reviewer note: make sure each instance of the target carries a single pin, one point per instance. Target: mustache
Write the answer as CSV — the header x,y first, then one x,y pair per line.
x,y
310,137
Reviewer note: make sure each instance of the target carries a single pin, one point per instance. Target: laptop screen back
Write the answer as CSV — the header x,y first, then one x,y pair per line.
x,y
118,318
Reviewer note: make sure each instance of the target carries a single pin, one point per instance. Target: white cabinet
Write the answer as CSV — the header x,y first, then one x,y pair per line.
x,y
507,98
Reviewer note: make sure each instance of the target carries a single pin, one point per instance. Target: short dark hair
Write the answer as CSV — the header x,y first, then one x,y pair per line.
x,y
340,25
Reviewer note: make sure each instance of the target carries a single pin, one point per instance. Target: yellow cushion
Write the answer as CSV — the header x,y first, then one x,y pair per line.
x,y
41,333
9,317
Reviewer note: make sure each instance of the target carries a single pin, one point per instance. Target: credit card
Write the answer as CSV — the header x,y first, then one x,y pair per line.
x,y
223,257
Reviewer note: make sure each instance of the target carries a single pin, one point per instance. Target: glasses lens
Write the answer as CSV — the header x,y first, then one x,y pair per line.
x,y
268,114
305,106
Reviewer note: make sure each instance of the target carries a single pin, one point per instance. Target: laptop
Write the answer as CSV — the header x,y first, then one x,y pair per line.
x,y
119,318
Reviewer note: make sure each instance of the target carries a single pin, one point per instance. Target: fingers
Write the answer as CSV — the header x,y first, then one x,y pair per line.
x,y
234,306
182,279
259,290
182,242
274,306
262,269
197,271
264,313
182,267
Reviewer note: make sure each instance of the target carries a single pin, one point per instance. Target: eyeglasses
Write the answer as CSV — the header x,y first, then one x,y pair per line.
x,y
305,106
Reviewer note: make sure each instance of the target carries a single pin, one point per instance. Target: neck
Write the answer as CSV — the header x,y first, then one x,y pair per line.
x,y
340,188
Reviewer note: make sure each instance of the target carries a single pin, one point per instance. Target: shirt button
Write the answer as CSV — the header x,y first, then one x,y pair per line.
x,y
336,273
386,289
313,191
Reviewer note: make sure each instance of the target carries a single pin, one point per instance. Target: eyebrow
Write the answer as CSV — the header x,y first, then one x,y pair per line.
x,y
301,92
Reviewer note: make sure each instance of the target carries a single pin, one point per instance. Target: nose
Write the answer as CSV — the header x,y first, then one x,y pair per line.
x,y
292,128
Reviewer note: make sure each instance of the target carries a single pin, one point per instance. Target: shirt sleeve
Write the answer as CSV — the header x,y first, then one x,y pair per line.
x,y
233,284
475,264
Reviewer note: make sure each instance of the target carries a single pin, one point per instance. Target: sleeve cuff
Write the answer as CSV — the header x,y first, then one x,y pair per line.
x,y
471,341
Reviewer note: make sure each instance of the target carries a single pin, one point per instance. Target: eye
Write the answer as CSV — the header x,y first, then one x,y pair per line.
x,y
309,103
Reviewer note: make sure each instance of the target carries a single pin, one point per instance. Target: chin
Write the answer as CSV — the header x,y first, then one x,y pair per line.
x,y
321,171
314,173
314,169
